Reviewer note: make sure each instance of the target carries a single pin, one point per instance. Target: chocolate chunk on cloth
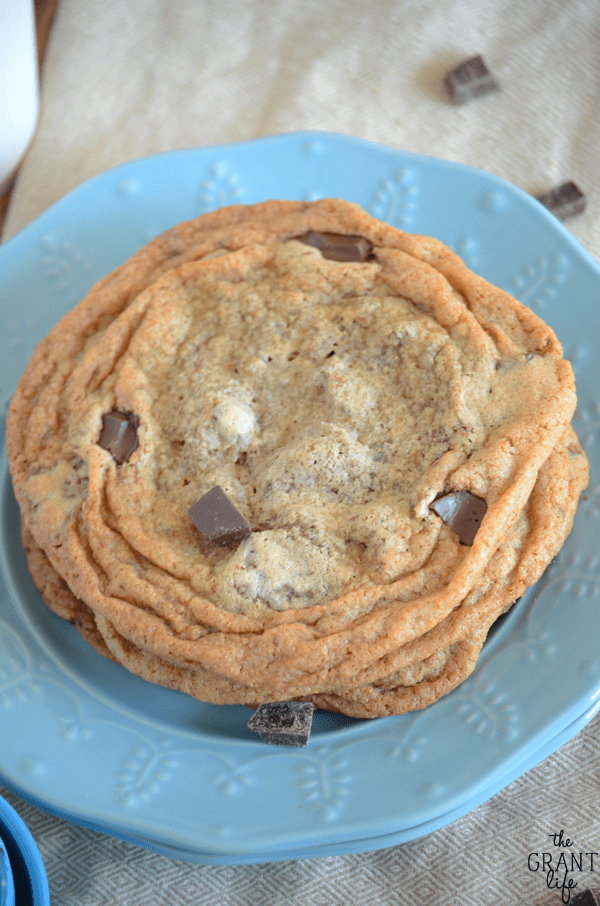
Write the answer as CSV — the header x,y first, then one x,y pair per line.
x,y
283,723
337,247
462,512
119,435
585,898
470,79
564,201
217,519
350,592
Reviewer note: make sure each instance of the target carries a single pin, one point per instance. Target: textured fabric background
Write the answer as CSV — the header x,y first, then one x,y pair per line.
x,y
127,78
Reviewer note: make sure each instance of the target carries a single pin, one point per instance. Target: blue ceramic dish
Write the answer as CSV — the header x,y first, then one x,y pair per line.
x,y
7,885
27,885
90,742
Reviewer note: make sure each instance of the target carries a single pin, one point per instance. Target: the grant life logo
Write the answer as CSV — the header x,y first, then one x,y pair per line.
x,y
558,866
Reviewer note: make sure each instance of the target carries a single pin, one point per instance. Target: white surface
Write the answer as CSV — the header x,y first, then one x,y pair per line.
x,y
126,78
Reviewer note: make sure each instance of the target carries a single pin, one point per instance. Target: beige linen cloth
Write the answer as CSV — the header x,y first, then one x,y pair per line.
x,y
127,78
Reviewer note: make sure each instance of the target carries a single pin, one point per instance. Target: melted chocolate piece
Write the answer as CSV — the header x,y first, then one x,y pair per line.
x,y
283,723
217,519
564,201
462,512
119,435
338,247
470,79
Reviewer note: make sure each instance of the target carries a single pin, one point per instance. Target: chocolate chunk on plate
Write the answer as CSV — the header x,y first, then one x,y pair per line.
x,y
217,519
462,512
338,247
283,723
469,80
564,201
119,435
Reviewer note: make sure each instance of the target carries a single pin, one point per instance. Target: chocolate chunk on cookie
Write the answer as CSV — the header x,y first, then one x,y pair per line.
x,y
119,435
217,519
337,247
462,512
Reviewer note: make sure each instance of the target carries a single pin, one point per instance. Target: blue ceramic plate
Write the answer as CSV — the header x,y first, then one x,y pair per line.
x,y
307,851
26,868
99,746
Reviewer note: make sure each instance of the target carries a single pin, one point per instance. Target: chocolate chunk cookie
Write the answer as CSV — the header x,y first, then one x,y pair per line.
x,y
287,451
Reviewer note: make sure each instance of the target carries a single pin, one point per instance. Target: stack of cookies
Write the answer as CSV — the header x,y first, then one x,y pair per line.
x,y
288,451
